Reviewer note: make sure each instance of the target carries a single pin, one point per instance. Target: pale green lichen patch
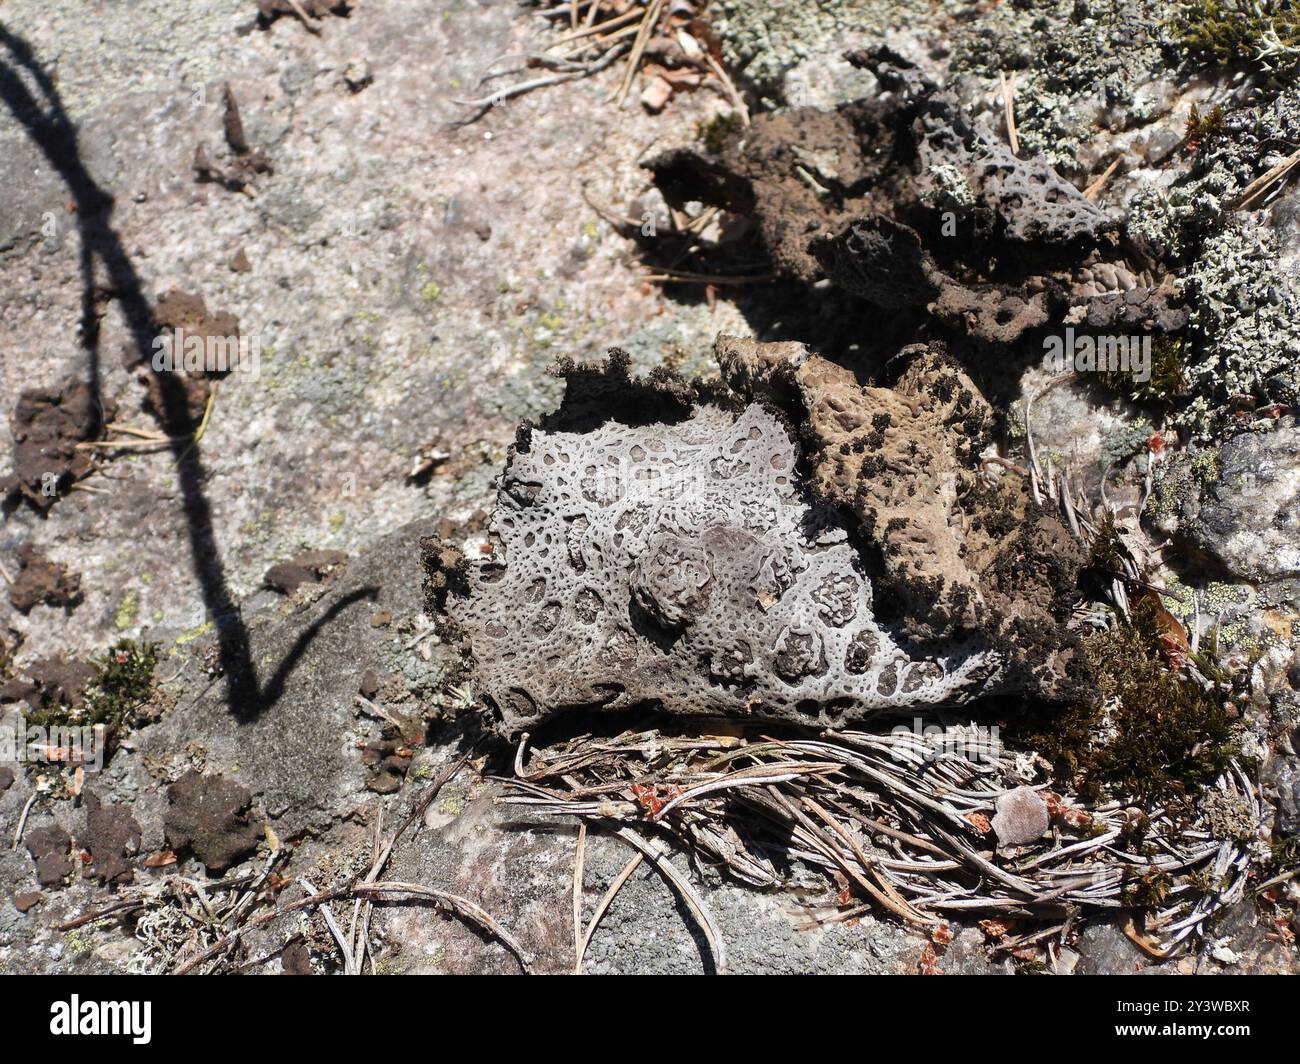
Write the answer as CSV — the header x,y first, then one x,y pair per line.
x,y
948,189
127,611
1180,480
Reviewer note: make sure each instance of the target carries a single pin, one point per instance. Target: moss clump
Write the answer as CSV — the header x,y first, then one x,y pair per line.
x,y
1154,735
1147,890
1204,129
1168,378
1225,33
1283,858
123,684
1105,554
715,131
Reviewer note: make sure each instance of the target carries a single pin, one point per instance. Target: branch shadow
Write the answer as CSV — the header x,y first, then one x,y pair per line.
x,y
46,121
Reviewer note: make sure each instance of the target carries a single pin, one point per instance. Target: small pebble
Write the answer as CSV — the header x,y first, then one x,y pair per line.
x,y
1021,817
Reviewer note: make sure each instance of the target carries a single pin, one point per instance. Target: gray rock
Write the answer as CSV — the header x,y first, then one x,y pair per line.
x,y
34,201
1244,511
1285,216
1283,779
298,753
520,869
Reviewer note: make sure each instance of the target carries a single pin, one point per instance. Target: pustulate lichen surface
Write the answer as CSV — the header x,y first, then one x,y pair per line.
x,y
680,564
678,547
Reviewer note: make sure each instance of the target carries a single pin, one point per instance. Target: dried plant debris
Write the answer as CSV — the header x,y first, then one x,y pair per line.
x,y
900,201
675,536
244,163
670,45
923,823
48,424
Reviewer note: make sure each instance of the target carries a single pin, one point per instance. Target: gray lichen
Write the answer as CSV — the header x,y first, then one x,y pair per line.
x,y
1245,323
1238,266
1082,64
763,39
947,188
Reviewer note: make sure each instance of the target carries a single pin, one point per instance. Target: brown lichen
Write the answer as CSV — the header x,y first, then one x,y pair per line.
x,y
901,202
959,556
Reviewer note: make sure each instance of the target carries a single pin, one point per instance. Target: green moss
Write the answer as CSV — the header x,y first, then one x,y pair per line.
x,y
1229,33
1168,378
1147,890
1204,129
1153,736
1284,857
1105,553
716,130
123,684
